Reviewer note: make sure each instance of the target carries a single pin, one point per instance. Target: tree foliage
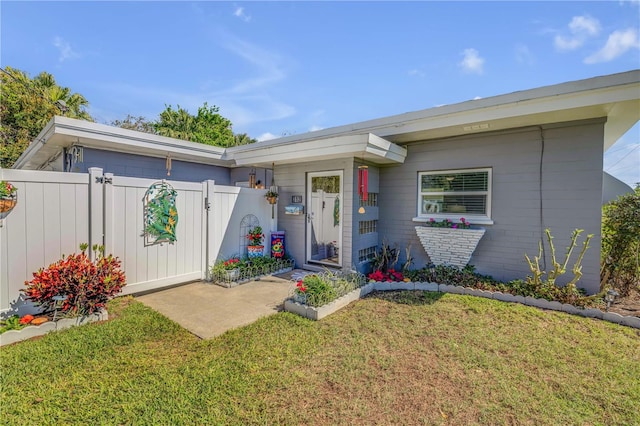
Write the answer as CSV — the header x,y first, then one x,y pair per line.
x,y
27,104
621,243
243,139
139,124
206,127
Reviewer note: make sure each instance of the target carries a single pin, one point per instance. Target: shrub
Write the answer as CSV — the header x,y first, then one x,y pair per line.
x,y
621,244
87,285
316,290
539,286
324,287
386,258
389,276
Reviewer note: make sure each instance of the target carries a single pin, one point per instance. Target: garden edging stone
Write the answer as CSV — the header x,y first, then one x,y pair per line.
x,y
323,311
13,336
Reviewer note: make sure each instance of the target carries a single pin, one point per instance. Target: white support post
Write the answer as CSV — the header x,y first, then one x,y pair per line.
x,y
208,226
96,209
108,213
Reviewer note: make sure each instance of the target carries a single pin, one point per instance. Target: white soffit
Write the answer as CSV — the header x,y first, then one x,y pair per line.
x,y
366,146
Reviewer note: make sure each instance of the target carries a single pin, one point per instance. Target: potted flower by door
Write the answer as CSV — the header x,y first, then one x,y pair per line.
x,y
255,247
8,196
271,196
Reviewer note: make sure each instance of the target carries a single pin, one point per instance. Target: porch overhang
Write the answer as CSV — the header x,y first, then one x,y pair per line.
x,y
62,132
366,146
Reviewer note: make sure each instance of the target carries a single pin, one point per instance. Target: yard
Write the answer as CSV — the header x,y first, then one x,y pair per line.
x,y
391,358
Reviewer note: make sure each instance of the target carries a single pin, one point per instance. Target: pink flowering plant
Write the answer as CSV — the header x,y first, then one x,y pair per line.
x,y
7,190
447,223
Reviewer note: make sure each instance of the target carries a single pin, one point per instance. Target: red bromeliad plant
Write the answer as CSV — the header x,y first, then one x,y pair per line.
x,y
87,285
390,276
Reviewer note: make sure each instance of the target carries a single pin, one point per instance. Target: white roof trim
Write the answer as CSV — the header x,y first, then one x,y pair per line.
x,y
366,146
62,132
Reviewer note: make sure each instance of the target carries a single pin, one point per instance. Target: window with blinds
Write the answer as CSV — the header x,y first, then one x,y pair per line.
x,y
455,193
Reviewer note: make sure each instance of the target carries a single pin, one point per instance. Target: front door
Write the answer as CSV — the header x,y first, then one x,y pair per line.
x,y
324,218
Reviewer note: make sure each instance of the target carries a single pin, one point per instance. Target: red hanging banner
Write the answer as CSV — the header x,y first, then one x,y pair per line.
x,y
363,182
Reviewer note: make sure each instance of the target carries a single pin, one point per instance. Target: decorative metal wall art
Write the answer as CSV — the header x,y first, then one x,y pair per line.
x,y
160,214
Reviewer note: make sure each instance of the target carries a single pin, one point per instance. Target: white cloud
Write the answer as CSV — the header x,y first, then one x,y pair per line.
x,y
472,61
268,64
581,28
66,52
266,136
239,13
477,98
315,128
524,55
567,43
617,44
416,73
584,24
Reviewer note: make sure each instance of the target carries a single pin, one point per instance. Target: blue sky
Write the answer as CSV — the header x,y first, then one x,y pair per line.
x,y
278,68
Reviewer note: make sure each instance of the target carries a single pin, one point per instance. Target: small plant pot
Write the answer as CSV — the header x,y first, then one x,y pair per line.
x,y
255,251
7,204
272,200
232,274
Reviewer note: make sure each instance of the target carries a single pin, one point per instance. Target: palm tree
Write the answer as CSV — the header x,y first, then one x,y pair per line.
x,y
71,105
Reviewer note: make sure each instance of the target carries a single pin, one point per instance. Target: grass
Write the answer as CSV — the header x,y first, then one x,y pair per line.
x,y
392,358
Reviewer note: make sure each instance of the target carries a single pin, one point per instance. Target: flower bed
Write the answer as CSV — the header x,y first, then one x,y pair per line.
x,y
319,312
234,271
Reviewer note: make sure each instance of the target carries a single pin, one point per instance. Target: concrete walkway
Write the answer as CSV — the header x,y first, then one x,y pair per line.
x,y
208,310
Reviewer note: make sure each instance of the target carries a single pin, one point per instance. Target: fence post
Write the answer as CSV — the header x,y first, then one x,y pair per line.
x,y
208,225
96,209
108,213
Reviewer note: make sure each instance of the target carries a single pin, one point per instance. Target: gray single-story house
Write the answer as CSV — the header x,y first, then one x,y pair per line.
x,y
514,164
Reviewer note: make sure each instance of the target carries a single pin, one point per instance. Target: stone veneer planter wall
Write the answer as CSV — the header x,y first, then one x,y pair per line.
x,y
323,311
13,336
449,246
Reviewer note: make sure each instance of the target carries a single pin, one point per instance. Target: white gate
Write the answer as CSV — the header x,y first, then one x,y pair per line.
x,y
56,212
152,266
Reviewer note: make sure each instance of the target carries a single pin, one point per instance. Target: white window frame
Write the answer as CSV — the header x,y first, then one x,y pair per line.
x,y
480,219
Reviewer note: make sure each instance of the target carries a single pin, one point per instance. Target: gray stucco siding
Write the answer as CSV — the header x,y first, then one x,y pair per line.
x,y
133,165
571,193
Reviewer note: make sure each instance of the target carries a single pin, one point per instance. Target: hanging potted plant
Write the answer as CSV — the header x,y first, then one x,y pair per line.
x,y
271,196
8,196
255,247
449,243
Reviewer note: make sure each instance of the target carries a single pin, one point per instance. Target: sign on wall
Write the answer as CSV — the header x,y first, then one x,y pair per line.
x,y
160,214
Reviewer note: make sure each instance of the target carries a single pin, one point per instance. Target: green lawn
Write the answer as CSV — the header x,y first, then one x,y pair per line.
x,y
403,358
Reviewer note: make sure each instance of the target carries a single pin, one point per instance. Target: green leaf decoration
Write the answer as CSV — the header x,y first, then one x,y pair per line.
x,y
160,213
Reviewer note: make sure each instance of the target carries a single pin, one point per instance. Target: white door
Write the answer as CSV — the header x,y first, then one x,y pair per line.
x,y
324,218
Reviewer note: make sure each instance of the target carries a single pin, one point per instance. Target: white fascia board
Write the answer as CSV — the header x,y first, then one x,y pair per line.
x,y
378,150
112,138
35,144
132,138
548,105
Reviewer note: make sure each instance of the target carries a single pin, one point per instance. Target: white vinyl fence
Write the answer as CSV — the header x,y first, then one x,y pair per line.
x,y
56,212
